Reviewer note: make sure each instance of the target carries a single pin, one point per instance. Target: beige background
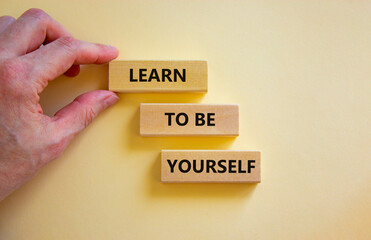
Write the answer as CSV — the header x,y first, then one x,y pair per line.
x,y
300,71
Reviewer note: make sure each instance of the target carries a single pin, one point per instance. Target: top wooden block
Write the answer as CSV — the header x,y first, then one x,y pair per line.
x,y
158,76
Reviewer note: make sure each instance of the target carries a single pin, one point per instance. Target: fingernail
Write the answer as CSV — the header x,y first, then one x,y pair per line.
x,y
111,99
110,46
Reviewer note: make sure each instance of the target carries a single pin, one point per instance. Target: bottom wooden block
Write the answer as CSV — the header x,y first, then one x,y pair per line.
x,y
210,166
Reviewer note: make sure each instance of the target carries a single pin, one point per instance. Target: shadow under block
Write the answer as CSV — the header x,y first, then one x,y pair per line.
x,y
163,119
210,166
158,76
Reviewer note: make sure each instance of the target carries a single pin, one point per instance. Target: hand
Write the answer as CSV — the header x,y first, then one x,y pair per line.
x,y
35,49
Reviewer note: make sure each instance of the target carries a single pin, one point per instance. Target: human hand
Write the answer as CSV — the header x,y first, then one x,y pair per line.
x,y
35,49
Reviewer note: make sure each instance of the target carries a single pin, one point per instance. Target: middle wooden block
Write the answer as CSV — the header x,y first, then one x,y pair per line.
x,y
163,119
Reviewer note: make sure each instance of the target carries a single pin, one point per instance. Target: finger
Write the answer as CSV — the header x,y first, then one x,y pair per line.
x,y
76,116
73,71
57,57
29,31
5,21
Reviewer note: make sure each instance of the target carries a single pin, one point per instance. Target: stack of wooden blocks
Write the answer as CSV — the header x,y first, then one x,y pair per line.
x,y
186,120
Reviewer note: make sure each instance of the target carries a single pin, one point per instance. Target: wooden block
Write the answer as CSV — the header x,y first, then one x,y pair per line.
x,y
210,166
158,76
159,119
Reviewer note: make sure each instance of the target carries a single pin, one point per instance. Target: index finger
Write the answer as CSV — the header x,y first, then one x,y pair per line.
x,y
57,57
29,31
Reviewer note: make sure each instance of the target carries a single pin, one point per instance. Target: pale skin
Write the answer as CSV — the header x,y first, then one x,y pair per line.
x,y
35,49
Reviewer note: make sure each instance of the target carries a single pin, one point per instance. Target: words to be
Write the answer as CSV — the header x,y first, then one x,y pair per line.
x,y
182,119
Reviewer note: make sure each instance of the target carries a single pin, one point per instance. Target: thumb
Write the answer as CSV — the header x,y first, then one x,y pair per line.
x,y
77,115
